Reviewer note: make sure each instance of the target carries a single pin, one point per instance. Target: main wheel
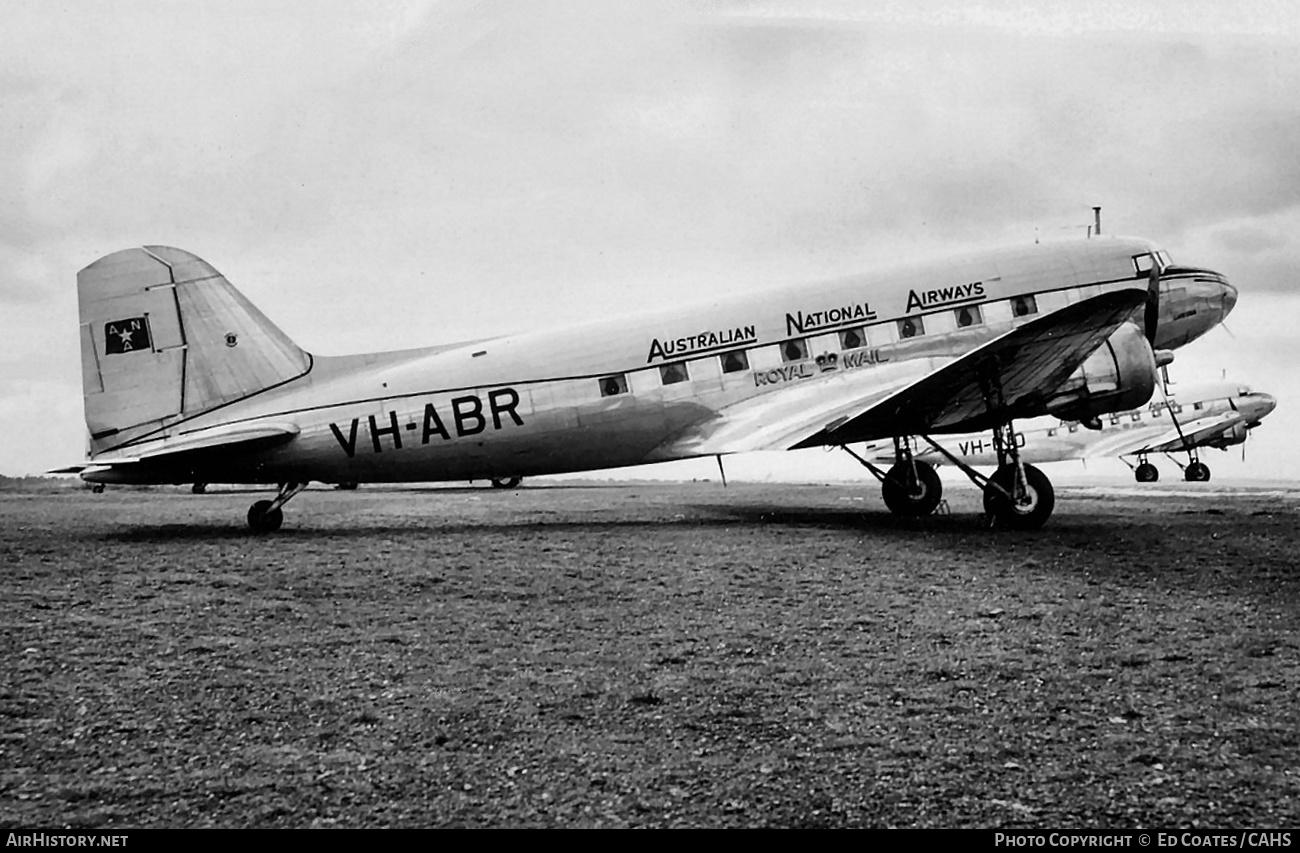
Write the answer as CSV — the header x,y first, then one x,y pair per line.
x,y
1033,507
1146,473
263,519
199,488
506,482
1197,472
909,494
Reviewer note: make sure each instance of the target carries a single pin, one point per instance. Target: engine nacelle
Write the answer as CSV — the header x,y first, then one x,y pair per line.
x,y
1119,376
1235,434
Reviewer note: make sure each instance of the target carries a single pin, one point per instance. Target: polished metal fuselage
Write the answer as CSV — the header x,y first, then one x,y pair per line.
x,y
614,393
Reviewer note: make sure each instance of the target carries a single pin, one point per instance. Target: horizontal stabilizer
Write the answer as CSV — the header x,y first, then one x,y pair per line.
x,y
243,437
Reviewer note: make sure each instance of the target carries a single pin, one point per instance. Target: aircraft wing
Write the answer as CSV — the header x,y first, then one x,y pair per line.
x,y
919,396
1198,432
210,440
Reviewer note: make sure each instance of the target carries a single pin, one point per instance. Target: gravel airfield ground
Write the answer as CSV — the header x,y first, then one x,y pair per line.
x,y
649,655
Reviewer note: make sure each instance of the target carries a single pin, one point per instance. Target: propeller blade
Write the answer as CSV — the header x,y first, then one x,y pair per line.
x,y
1152,317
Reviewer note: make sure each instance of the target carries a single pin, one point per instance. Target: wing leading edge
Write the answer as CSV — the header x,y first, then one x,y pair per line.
x,y
917,396
1025,366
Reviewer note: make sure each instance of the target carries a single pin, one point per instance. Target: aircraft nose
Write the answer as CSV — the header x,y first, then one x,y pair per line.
x,y
1268,403
1229,297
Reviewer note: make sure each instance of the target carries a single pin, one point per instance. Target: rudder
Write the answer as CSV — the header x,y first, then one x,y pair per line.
x,y
164,337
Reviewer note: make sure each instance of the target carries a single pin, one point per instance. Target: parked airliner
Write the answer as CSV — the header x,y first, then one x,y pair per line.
x,y
1218,415
186,381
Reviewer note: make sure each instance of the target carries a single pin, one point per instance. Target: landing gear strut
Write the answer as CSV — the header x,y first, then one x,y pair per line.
x,y
1195,471
1017,496
911,488
266,516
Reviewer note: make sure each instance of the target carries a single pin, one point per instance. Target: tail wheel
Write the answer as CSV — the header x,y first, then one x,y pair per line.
x,y
912,489
505,482
1026,509
263,519
1147,473
1197,472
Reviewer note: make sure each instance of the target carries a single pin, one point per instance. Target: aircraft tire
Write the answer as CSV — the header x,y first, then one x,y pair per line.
x,y
1029,516
1147,473
97,489
263,519
916,498
199,488
1197,472
347,486
506,482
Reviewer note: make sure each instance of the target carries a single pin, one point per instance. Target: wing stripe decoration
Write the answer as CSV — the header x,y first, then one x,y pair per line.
x,y
1009,377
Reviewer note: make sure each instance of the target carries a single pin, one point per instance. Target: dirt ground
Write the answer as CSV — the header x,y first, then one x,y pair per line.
x,y
649,655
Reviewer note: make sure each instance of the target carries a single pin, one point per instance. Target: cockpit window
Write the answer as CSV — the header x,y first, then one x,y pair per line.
x,y
1143,264
1243,391
1165,260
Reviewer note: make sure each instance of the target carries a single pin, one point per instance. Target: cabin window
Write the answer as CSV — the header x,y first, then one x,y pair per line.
x,y
611,386
968,315
1051,433
795,350
1072,428
1023,306
1198,406
1176,408
853,338
1114,420
1137,416
674,373
735,362
910,327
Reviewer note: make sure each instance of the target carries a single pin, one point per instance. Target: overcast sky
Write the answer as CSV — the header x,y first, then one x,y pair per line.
x,y
378,175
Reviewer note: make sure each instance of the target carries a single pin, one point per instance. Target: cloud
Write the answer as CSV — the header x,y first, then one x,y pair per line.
x,y
393,174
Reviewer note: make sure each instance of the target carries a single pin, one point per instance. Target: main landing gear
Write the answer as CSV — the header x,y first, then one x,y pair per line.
x,y
506,482
911,487
266,516
1195,471
1145,472
1017,496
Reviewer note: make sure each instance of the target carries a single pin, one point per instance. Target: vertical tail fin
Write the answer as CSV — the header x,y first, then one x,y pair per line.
x,y
164,337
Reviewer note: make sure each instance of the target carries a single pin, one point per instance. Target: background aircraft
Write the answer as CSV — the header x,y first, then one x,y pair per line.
x,y
186,381
1217,415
